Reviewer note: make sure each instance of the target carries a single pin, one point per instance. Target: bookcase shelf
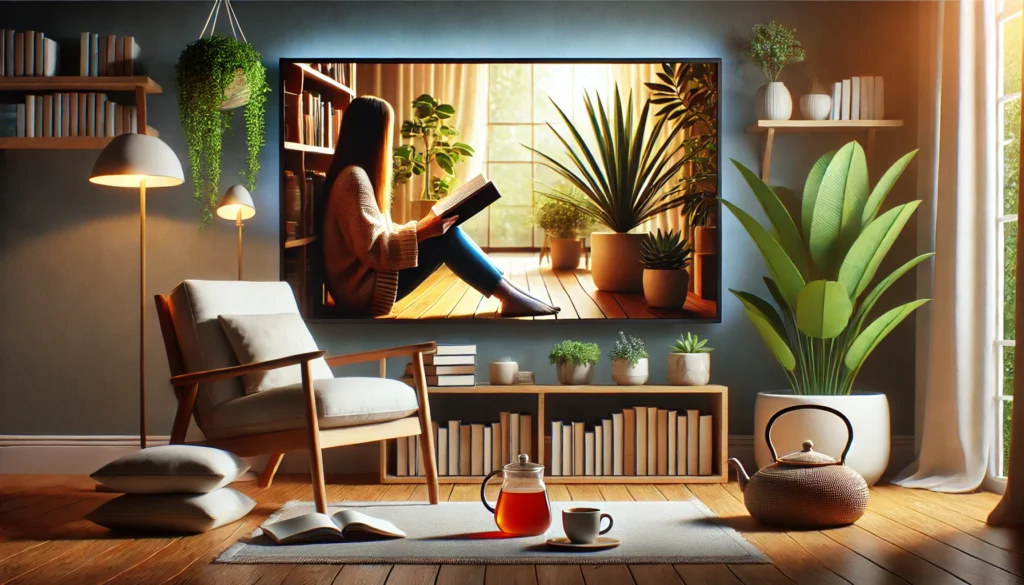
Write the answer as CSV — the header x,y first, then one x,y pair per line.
x,y
717,404
62,142
308,149
76,83
322,80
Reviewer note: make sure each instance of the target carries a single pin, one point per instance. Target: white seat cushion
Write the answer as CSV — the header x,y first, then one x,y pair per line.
x,y
340,402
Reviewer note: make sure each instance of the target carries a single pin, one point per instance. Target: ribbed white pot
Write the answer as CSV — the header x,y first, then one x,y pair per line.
x,y
815,106
868,413
625,375
773,101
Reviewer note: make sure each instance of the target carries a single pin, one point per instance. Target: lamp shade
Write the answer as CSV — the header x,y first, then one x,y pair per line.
x,y
130,159
236,198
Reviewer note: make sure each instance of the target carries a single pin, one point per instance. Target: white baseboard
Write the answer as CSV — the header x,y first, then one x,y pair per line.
x,y
81,455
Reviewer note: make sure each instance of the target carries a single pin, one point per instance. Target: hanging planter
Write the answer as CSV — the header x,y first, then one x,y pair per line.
x,y
215,75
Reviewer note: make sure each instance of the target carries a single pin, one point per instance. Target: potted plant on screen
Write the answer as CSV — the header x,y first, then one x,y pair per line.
x,y
689,363
822,288
563,224
773,47
574,361
629,361
665,258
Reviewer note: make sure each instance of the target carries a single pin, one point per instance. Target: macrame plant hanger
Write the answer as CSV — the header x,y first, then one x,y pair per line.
x,y
237,93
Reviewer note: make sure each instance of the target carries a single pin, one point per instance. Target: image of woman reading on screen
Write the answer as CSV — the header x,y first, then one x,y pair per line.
x,y
371,262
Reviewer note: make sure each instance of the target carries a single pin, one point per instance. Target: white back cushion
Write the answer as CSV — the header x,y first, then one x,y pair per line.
x,y
259,338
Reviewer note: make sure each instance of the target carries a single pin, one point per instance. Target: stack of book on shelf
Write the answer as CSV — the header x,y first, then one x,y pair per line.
x,y
858,98
71,114
470,449
321,121
105,56
336,71
451,365
28,54
637,441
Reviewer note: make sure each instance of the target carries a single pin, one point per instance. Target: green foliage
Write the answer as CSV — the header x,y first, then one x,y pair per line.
x,y
560,219
626,182
205,69
628,348
575,352
665,251
817,328
691,344
440,146
773,47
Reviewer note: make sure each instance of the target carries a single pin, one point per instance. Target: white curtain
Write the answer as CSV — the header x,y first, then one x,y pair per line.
x,y
957,184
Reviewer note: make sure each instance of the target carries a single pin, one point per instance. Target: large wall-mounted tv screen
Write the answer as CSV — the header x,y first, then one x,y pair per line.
x,y
512,190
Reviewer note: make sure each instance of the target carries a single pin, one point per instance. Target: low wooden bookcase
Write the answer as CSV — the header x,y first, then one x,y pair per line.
x,y
543,400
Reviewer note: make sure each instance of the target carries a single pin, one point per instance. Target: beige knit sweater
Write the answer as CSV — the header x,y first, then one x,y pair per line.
x,y
363,249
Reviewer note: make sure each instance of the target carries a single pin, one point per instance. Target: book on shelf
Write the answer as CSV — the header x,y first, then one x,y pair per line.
x,y
442,451
441,370
641,440
844,112
341,526
504,419
629,442
525,435
29,53
855,96
445,381
452,349
449,360
661,462
672,423
454,439
588,453
704,450
617,443
476,446
692,441
682,447
567,453
652,441
578,448
514,426
555,461
867,95
606,447
497,432
19,54
465,450
837,100
488,448
598,450
467,200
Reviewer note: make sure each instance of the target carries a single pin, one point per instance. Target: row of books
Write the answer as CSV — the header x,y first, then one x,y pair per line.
x,y
336,71
107,56
451,365
637,441
27,54
68,114
858,98
321,121
469,449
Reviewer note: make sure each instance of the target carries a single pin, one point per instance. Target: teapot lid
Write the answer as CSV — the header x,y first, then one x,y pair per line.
x,y
808,457
523,464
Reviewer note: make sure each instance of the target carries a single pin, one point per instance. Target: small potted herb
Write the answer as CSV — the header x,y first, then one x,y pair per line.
x,y
564,224
772,47
665,257
574,361
689,363
629,361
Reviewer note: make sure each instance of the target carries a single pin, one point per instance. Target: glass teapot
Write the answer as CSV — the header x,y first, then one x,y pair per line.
x,y
523,508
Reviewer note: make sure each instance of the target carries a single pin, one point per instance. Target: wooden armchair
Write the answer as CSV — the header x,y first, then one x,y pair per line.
x,y
315,415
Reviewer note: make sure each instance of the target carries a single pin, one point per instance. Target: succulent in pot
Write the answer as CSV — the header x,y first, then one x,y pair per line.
x,y
665,258
689,363
575,361
563,224
629,361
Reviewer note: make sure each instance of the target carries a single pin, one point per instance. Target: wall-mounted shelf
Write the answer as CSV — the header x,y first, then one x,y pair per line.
x,y
62,142
308,149
770,127
300,242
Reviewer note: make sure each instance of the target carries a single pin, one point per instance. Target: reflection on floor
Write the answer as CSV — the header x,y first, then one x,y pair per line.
x,y
444,296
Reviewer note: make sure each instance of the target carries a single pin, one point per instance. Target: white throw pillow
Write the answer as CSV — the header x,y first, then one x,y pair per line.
x,y
173,513
258,338
172,469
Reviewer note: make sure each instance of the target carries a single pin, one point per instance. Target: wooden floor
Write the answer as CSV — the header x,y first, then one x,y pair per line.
x,y
444,296
907,536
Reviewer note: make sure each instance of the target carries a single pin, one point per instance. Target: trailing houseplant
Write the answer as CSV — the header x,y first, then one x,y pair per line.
x,y
820,282
689,361
433,141
205,71
629,361
575,361
773,47
563,224
664,257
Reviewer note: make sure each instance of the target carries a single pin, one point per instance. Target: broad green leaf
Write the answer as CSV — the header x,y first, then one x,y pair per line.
x,y
880,288
811,187
445,162
835,222
784,228
823,310
783,271
775,342
464,148
773,289
878,194
444,111
761,306
867,341
875,241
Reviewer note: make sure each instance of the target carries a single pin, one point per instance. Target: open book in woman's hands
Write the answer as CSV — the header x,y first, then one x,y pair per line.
x,y
343,525
469,199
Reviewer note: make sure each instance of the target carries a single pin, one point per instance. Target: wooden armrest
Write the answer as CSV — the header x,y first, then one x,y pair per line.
x,y
235,371
376,354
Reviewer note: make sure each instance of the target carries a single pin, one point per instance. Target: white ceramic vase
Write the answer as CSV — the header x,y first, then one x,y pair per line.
x,y
868,413
689,369
625,375
571,374
666,289
815,106
615,262
773,102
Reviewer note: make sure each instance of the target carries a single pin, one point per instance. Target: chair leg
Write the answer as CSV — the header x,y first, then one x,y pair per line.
x,y
316,461
267,477
426,429
186,400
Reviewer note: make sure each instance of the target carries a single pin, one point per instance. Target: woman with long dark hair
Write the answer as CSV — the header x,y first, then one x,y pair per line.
x,y
370,261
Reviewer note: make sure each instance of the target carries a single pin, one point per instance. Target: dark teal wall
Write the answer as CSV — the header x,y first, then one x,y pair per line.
x,y
69,250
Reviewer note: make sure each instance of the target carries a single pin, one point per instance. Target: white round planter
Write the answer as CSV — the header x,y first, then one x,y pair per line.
x,y
625,375
565,253
773,102
689,369
666,289
572,374
815,106
869,414
615,262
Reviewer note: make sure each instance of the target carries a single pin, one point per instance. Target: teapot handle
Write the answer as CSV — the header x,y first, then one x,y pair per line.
x,y
771,423
483,490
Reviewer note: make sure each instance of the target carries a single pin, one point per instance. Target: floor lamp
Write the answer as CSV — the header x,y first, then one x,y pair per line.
x,y
139,161
237,205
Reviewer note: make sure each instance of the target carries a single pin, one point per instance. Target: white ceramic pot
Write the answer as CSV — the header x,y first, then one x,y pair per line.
x,y
774,100
572,374
665,289
689,369
615,262
625,375
504,373
815,106
565,253
868,413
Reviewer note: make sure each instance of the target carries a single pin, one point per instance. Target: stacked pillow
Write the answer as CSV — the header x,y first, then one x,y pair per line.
x,y
173,488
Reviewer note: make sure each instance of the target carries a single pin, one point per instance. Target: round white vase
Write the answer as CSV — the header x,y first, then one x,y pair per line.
x,y
571,374
774,100
868,413
689,369
815,106
625,375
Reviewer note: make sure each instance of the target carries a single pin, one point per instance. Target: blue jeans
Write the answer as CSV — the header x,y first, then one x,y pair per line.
x,y
460,254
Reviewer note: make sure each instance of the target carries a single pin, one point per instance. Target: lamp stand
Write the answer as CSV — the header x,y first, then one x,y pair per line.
x,y
238,223
142,314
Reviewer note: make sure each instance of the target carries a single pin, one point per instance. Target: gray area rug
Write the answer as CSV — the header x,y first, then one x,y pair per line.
x,y
464,533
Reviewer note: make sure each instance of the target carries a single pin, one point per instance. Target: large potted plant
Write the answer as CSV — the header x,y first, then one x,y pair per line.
x,y
563,224
773,47
574,362
626,179
665,258
629,361
214,75
689,363
820,280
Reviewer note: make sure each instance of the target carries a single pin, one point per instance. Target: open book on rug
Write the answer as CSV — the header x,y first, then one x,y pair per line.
x,y
342,526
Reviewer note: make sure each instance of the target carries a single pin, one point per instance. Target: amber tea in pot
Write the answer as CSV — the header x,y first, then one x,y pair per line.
x,y
523,508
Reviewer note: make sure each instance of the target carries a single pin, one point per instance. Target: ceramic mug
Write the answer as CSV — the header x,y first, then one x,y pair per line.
x,y
504,373
583,525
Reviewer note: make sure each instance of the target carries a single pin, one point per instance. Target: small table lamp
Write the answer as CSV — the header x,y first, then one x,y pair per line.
x,y
237,205
139,161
